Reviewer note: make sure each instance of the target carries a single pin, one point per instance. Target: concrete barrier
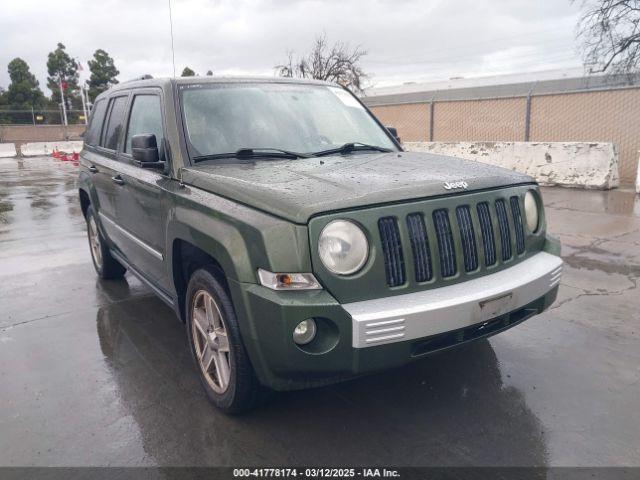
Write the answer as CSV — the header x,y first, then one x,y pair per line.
x,y
570,164
20,134
7,150
46,148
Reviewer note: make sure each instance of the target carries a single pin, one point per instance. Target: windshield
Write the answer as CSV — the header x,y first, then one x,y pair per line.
x,y
223,118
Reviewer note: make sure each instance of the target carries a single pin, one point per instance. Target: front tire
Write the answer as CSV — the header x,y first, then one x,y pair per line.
x,y
106,266
214,337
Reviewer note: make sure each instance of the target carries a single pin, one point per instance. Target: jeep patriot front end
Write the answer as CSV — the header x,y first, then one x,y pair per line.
x,y
296,239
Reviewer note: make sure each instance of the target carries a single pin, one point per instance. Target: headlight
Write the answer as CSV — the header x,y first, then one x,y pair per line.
x,y
531,211
343,247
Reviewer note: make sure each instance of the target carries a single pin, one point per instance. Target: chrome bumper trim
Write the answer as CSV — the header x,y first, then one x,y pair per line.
x,y
430,312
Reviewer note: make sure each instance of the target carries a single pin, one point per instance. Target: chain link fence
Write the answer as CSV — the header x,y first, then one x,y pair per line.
x,y
40,117
413,121
604,115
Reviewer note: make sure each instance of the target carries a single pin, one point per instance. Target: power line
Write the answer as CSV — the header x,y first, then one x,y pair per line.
x,y
465,50
451,59
463,44
502,64
428,57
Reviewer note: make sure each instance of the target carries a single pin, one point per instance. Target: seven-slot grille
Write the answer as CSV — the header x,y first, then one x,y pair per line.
x,y
468,237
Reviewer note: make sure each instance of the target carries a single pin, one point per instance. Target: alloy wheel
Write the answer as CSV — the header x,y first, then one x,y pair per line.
x,y
94,241
210,341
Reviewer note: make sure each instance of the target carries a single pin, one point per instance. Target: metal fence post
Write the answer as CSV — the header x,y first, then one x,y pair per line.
x,y
431,120
527,118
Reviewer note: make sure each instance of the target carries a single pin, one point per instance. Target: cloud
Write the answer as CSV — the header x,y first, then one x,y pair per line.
x,y
407,40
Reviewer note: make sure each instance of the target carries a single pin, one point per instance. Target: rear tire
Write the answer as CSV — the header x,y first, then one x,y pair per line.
x,y
224,367
106,266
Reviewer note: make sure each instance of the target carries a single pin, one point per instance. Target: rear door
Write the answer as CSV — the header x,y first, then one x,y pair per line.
x,y
103,160
90,155
141,201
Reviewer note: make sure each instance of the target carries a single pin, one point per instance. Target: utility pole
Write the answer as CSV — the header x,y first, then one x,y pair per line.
x,y
64,106
84,104
33,117
84,96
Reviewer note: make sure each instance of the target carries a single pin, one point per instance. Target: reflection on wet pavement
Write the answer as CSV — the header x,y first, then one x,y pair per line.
x,y
98,373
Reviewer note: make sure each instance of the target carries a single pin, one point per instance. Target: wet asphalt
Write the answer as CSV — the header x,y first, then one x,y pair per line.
x,y
98,373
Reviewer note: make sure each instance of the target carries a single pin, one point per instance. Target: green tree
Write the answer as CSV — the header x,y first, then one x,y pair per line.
x,y
4,117
62,67
103,73
187,72
24,90
209,73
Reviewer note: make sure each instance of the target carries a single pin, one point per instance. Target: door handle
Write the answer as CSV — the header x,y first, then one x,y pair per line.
x,y
93,169
118,179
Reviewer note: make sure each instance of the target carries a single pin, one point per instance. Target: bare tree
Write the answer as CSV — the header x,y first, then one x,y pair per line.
x,y
610,34
337,63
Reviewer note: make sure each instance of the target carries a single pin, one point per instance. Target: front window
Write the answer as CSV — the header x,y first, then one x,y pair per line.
x,y
146,117
224,118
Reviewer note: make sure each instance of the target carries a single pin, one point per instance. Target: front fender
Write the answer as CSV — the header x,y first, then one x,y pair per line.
x,y
240,238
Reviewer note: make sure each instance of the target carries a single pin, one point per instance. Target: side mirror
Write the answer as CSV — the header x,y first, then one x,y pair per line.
x,y
394,133
145,148
145,151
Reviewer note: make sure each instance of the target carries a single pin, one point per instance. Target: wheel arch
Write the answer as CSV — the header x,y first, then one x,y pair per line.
x,y
186,258
86,193
85,201
217,244
237,245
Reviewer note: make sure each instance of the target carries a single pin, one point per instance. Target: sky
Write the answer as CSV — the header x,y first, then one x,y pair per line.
x,y
406,40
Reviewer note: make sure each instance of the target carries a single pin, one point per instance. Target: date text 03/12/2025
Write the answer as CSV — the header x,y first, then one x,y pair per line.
x,y
315,473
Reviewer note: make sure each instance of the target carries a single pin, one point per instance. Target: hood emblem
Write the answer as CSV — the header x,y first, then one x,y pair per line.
x,y
455,185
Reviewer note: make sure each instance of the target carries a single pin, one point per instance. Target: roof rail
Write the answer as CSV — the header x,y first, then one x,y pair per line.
x,y
142,77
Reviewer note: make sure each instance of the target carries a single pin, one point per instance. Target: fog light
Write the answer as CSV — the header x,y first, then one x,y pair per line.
x,y
305,331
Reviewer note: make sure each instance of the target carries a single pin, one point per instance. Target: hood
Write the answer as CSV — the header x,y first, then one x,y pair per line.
x,y
299,189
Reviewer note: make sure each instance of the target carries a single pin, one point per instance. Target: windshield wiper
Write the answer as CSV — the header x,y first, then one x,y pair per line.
x,y
253,153
351,147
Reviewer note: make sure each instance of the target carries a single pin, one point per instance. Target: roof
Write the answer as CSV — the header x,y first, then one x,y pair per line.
x,y
165,81
518,85
258,79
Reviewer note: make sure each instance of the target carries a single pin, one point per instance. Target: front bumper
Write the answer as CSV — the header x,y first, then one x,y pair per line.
x,y
386,332
432,312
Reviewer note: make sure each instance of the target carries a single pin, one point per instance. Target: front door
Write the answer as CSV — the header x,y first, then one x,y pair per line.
x,y
141,205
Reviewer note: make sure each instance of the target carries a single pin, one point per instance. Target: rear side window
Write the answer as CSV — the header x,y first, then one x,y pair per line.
x,y
145,117
92,137
114,125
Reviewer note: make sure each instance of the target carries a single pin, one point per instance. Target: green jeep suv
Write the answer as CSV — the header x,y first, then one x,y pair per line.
x,y
294,236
